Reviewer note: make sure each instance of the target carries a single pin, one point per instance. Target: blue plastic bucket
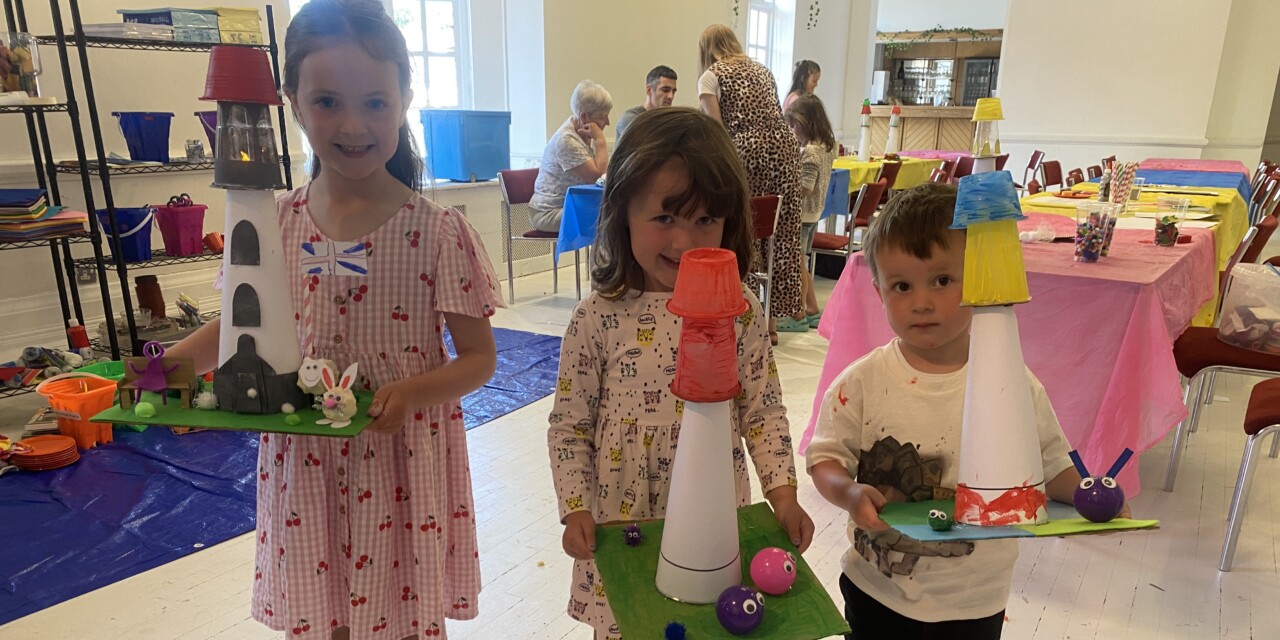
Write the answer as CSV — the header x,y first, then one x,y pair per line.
x,y
147,134
135,232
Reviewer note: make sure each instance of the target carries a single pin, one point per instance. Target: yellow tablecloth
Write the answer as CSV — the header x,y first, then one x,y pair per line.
x,y
914,171
1227,206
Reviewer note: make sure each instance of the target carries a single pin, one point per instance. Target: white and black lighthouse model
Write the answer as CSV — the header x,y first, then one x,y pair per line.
x,y
258,357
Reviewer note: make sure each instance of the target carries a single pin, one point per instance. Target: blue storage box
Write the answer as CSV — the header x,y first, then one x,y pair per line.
x,y
467,146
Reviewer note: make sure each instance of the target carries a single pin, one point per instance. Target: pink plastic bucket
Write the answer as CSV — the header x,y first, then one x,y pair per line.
x,y
182,229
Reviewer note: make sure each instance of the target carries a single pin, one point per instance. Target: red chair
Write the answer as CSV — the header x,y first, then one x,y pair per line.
x,y
1093,171
1261,419
1262,194
1199,354
889,173
1074,177
1266,226
864,207
1033,188
764,220
964,167
1001,160
938,175
1051,170
1108,161
949,169
517,190
1033,167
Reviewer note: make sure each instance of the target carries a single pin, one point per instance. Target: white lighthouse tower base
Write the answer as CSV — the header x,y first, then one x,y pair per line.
x,y
700,556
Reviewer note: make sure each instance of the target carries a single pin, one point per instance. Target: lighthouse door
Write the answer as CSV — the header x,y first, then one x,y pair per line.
x,y
250,396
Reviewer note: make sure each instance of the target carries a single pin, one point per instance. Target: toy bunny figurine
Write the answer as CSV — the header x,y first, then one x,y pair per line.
x,y
339,403
309,379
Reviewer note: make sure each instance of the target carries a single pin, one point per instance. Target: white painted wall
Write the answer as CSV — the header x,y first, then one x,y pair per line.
x,y
525,78
1158,106
920,15
1271,144
858,64
829,44
1245,89
617,47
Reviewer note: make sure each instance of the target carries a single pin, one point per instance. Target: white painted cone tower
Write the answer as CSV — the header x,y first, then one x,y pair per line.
x,y
894,142
1001,478
864,132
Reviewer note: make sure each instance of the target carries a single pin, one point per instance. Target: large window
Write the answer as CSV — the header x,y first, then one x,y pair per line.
x,y
436,32
769,37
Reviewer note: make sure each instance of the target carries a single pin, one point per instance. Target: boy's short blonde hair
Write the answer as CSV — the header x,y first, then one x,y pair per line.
x,y
914,220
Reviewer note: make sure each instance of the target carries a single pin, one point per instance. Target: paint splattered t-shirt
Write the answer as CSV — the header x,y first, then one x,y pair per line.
x,y
882,396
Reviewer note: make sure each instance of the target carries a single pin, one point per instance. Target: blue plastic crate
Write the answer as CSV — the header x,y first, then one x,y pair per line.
x,y
467,146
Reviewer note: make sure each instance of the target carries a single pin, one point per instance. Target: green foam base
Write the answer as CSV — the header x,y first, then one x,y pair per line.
x,y
171,415
804,613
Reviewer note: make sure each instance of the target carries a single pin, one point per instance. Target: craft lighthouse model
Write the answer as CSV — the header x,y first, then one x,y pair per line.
x,y
258,356
864,132
700,557
894,141
1000,478
987,115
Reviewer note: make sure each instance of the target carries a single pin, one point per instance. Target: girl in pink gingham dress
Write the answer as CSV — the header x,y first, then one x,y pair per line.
x,y
377,532
371,537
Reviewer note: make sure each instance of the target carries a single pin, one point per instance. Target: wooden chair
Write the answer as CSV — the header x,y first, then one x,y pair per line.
x,y
764,221
1093,171
517,190
1261,419
863,208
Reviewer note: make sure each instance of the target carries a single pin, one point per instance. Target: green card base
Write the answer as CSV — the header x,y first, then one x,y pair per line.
x,y
805,612
911,518
173,415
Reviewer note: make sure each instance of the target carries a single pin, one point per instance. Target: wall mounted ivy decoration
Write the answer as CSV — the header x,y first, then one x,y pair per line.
x,y
814,10
894,42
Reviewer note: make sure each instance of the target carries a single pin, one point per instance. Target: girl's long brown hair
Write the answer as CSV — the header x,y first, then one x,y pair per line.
x,y
318,24
810,116
718,42
717,182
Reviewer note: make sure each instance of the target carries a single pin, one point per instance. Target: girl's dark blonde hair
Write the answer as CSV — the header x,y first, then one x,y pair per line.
x,y
718,42
807,113
717,182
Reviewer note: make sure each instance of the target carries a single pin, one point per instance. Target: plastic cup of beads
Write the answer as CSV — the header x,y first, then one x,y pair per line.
x,y
1170,211
1090,231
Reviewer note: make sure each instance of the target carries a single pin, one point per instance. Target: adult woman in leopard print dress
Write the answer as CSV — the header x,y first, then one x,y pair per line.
x,y
742,94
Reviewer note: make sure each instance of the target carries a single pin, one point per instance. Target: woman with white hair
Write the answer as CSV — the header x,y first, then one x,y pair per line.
x,y
575,154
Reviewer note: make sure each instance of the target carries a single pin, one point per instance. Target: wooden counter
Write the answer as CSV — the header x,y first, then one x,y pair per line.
x,y
944,128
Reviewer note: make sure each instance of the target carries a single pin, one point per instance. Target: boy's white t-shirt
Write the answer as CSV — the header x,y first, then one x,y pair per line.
x,y
879,396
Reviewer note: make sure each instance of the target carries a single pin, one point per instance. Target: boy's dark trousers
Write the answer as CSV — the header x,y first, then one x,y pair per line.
x,y
871,620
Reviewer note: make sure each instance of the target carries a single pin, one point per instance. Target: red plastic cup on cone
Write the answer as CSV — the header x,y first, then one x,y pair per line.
x,y
240,74
708,286
707,296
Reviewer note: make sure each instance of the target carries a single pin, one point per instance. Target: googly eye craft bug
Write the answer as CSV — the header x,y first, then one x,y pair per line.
x,y
939,520
740,609
1099,499
773,570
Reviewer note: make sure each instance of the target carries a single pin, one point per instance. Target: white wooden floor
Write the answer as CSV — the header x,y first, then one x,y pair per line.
x,y
1163,584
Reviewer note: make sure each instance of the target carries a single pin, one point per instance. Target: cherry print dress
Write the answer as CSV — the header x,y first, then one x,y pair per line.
x,y
375,533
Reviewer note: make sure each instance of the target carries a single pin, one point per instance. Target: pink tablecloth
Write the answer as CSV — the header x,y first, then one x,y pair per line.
x,y
935,154
1193,164
1099,336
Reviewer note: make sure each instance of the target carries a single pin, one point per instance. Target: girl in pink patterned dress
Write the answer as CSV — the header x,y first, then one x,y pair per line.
x,y
372,537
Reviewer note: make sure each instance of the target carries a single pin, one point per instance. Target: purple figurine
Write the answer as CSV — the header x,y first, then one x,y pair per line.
x,y
154,377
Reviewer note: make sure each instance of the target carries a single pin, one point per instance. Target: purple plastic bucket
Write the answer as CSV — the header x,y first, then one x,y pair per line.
x,y
209,120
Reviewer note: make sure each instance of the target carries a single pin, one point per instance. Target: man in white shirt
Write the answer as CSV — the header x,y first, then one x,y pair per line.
x,y
659,91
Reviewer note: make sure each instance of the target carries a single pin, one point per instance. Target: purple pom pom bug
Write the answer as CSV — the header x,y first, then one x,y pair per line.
x,y
632,535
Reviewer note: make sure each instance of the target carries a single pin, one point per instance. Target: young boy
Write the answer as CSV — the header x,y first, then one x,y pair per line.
x,y
907,399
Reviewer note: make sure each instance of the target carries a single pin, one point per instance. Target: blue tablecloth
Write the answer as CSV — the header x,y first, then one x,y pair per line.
x,y
837,194
578,224
1226,179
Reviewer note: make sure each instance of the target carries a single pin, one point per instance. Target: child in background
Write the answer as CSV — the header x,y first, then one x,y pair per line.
x,y
808,120
374,536
912,390
675,184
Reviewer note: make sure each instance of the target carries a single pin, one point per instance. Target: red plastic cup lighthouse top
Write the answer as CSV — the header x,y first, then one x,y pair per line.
x,y
240,74
708,297
708,286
